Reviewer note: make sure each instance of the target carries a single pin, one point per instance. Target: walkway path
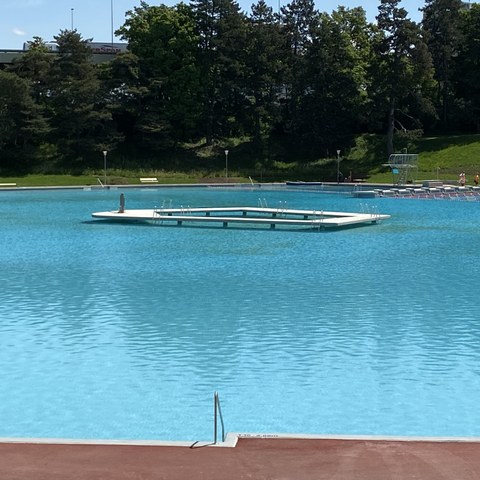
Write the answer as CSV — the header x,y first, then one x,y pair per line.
x,y
252,458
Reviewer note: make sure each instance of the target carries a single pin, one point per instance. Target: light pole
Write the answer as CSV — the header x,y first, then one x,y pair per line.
x,y
71,14
111,17
226,166
105,167
338,166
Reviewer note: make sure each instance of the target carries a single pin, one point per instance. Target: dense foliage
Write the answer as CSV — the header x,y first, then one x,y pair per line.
x,y
297,83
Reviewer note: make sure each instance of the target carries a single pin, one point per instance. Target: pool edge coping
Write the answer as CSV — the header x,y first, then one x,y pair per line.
x,y
231,440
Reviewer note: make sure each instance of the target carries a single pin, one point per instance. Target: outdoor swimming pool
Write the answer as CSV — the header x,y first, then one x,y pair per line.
x,y
124,331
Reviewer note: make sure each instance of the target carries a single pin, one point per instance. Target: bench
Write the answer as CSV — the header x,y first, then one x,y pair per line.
x,y
8,184
149,180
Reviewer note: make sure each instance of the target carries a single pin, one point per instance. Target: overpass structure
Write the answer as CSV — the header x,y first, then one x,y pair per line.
x,y
9,56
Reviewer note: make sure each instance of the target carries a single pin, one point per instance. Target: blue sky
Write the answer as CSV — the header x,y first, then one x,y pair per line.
x,y
21,20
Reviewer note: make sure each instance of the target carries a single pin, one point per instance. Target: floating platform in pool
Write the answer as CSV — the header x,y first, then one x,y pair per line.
x,y
272,217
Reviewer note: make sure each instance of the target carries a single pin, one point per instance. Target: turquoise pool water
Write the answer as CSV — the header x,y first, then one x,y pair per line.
x,y
125,331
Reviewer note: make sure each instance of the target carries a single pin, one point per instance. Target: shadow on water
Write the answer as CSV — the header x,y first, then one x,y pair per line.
x,y
277,229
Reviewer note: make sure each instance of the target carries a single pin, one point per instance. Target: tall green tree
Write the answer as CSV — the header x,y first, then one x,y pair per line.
x,y
336,76
442,26
466,86
124,93
402,67
34,66
77,108
166,84
300,22
222,32
264,69
22,125
358,36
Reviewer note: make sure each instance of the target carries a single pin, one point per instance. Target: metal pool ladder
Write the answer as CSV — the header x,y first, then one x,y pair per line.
x,y
217,414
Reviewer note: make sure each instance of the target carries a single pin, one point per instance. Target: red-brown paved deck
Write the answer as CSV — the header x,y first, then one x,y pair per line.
x,y
256,459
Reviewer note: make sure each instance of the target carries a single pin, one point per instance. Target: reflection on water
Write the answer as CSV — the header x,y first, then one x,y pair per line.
x,y
125,331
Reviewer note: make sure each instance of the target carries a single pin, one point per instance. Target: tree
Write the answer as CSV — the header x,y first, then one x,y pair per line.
x,y
442,25
464,80
35,65
402,68
358,38
166,83
221,28
264,54
300,25
124,93
336,71
21,123
79,117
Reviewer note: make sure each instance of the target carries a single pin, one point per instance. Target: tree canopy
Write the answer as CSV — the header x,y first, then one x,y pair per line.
x,y
294,82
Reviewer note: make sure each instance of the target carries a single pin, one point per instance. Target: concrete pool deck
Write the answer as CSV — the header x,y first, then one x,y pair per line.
x,y
253,457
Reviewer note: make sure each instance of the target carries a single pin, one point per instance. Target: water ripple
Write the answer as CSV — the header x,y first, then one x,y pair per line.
x,y
124,331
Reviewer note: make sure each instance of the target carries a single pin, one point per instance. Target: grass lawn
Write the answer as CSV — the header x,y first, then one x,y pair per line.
x,y
441,158
118,178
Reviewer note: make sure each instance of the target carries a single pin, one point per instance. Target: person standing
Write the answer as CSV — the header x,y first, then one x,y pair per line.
x,y
475,179
121,208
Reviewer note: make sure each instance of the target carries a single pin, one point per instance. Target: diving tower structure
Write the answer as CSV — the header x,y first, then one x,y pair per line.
x,y
404,167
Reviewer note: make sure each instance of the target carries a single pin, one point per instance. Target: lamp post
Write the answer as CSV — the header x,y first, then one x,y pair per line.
x,y
111,17
71,14
226,166
105,167
338,166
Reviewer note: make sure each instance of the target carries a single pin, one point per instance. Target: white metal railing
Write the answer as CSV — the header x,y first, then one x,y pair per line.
x,y
156,214
317,219
282,208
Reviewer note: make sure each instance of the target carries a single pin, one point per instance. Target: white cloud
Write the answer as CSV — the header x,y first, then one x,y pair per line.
x,y
18,32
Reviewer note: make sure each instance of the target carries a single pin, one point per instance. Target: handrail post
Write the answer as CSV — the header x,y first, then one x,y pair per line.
x,y
217,412
215,400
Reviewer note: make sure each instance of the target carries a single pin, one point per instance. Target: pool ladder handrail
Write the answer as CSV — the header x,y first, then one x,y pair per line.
x,y
282,208
158,212
217,414
317,219
372,211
